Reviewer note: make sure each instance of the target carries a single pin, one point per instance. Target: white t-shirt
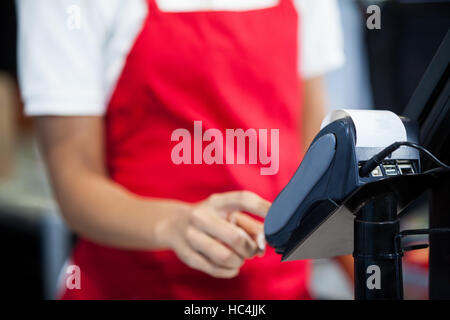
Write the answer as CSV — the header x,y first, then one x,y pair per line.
x,y
71,52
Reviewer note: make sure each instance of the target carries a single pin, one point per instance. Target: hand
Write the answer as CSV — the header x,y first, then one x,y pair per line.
x,y
210,237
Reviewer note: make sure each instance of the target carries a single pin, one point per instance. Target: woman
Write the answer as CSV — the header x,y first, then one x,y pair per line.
x,y
110,82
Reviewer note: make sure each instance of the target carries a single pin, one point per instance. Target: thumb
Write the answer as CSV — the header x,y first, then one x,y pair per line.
x,y
241,201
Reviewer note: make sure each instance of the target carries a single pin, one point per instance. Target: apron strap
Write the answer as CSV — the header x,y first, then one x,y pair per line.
x,y
153,6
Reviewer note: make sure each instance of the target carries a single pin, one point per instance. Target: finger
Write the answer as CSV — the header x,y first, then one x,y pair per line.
x,y
240,201
207,220
196,261
253,227
212,249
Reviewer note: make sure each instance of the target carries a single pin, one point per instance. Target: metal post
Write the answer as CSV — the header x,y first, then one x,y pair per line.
x,y
440,243
377,255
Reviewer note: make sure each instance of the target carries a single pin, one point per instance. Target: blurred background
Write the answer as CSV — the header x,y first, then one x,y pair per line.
x,y
382,69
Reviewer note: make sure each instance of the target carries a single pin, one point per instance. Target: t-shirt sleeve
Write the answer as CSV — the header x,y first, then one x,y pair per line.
x,y
60,56
321,39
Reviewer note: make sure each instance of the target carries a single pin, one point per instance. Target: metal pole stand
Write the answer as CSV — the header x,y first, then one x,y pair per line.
x,y
377,254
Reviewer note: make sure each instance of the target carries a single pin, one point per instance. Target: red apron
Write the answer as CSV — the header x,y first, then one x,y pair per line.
x,y
229,70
